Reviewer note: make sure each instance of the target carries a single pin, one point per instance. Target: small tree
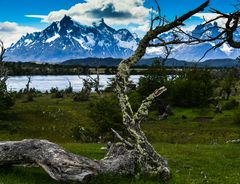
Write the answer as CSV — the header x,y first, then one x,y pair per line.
x,y
88,84
6,99
228,84
193,88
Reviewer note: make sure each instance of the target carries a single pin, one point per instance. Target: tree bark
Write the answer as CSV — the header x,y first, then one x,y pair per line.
x,y
65,166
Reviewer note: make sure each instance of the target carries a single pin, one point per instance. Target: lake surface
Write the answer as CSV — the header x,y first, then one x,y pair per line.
x,y
45,83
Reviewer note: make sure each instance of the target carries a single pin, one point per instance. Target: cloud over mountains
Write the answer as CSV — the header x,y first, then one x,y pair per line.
x,y
10,32
115,12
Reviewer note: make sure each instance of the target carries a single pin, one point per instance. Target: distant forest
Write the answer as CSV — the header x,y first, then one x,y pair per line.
x,y
28,68
108,66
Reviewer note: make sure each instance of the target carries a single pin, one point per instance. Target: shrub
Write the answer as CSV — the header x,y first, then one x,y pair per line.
x,y
110,86
232,104
135,100
152,80
81,96
193,89
69,89
82,134
30,97
106,114
54,90
236,117
59,94
7,100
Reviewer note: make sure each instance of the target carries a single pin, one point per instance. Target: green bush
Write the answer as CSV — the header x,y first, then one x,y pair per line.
x,y
81,96
232,104
135,100
236,117
153,79
54,90
56,93
106,114
193,89
81,134
7,100
59,94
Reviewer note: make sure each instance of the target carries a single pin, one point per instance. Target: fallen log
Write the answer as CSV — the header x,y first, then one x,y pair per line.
x,y
65,166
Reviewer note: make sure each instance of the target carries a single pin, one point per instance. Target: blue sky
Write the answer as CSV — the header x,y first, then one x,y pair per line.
x,y
17,17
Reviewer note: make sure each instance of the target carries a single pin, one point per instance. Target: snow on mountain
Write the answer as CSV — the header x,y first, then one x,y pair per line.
x,y
196,52
67,39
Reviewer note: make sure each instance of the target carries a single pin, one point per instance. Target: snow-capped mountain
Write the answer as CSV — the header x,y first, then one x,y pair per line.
x,y
196,52
67,39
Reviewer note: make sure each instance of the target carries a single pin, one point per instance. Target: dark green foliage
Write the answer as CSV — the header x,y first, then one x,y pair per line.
x,y
81,134
33,91
6,100
231,104
56,93
54,90
81,96
30,97
111,85
69,90
135,100
192,89
106,114
84,94
228,84
154,78
59,94
28,68
236,117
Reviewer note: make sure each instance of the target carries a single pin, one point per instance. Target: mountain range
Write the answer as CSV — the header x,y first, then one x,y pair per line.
x,y
68,40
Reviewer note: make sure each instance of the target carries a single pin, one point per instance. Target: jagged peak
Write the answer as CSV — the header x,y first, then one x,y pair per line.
x,y
66,18
102,21
101,25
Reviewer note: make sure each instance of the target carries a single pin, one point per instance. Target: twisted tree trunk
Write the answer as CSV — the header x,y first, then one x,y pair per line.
x,y
64,166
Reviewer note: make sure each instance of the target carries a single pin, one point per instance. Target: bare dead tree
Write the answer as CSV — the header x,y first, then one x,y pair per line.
x,y
3,70
134,152
90,82
28,83
96,82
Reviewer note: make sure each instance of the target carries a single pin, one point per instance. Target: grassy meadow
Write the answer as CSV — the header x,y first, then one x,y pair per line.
x,y
195,147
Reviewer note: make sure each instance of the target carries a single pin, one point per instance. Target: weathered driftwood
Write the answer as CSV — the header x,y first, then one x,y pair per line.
x,y
134,154
64,166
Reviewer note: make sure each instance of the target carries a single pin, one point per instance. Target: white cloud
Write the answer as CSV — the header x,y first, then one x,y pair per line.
x,y
115,12
10,32
188,28
210,16
144,28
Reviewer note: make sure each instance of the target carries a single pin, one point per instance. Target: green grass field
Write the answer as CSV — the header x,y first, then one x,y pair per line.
x,y
195,147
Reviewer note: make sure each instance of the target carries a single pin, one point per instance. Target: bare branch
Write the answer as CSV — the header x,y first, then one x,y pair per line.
x,y
142,112
121,138
212,48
